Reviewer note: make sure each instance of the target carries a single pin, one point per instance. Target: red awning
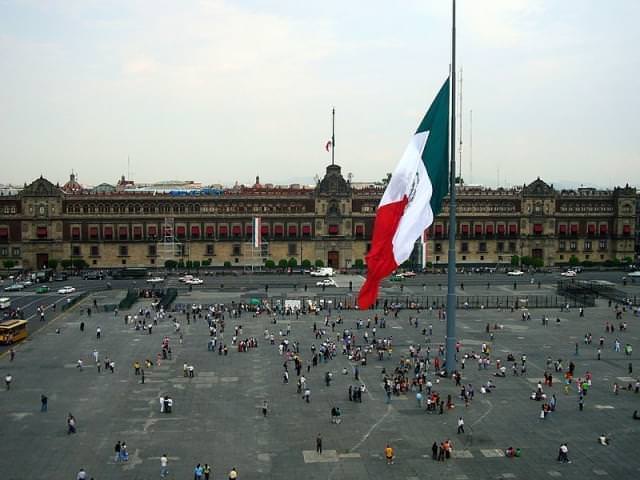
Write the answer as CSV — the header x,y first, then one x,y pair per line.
x,y
490,229
41,231
333,229
626,229
293,230
306,229
209,230
478,229
591,228
563,228
574,228
195,230
181,230
537,228
513,228
152,230
501,229
359,229
438,229
604,229
137,231
248,230
75,231
108,231
236,230
122,231
222,230
465,228
279,229
4,232
264,230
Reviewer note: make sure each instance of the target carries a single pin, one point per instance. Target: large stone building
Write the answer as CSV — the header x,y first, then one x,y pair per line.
x,y
331,222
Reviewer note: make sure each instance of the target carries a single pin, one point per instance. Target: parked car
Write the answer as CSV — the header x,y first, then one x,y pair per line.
x,y
194,281
155,280
327,282
66,290
16,287
60,277
569,274
93,276
43,289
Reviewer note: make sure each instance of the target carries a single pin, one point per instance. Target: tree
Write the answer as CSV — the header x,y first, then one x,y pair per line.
x,y
537,262
196,264
319,263
270,264
292,263
306,263
66,263
227,264
189,264
170,264
8,263
573,261
515,260
181,264
79,263
283,263
206,262
359,263
53,263
627,260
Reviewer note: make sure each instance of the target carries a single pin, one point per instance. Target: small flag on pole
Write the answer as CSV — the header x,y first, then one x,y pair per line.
x,y
412,198
328,145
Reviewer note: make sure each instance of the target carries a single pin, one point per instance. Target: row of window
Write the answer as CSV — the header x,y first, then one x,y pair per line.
x,y
537,229
511,246
4,251
182,208
152,250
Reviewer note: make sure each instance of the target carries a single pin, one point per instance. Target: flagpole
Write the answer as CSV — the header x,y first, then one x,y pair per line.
x,y
333,135
451,270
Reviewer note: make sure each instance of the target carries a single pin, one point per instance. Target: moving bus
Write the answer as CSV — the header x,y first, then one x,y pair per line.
x,y
5,303
131,273
13,331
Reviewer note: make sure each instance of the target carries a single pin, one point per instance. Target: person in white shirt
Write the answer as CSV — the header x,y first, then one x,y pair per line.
x,y
164,466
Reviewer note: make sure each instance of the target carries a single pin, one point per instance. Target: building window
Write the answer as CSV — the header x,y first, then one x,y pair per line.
x,y
561,257
16,251
237,251
152,250
4,252
438,247
482,247
264,250
500,246
95,250
587,245
573,245
333,229
75,250
464,247
210,250
464,257
562,245
602,244
293,249
123,251
512,247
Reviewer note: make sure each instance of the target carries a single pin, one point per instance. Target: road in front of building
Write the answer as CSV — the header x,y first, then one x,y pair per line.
x,y
217,418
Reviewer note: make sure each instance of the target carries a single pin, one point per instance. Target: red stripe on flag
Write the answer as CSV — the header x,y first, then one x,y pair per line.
x,y
380,260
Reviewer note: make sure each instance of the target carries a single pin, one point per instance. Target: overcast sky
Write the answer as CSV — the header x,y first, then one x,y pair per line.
x,y
221,90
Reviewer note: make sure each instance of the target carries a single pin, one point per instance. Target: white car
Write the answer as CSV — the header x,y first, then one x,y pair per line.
x,y
194,281
26,283
186,278
327,282
155,280
515,273
568,273
405,275
66,290
634,274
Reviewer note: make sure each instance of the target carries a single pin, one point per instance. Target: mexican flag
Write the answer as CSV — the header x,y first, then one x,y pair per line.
x,y
412,198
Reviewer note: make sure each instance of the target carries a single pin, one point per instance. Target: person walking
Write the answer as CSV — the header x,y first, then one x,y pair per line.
x,y
460,425
82,474
198,472
233,474
207,471
7,381
164,466
389,454
12,354
319,444
71,424
117,449
44,401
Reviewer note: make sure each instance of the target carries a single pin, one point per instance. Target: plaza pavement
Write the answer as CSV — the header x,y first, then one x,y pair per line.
x,y
216,417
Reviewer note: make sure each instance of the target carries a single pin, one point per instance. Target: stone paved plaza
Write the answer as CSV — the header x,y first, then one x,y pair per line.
x,y
216,417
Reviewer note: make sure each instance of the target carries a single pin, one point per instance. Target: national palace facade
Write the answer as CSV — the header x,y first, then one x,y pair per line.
x,y
331,222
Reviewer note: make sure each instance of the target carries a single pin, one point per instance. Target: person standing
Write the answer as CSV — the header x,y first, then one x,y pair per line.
x,y
164,466
82,474
117,449
319,444
207,471
265,408
12,354
233,474
98,333
198,472
71,424
43,403
7,381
